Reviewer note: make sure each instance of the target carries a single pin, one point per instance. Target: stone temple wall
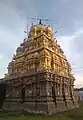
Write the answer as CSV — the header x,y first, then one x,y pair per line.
x,y
45,93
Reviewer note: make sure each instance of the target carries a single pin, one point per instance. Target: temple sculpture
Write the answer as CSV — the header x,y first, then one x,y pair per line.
x,y
39,78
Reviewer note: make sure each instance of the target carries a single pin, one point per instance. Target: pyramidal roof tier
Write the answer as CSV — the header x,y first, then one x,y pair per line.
x,y
39,52
39,29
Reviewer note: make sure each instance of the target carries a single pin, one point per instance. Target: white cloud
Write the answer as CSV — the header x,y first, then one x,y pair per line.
x,y
1,57
79,81
72,55
3,64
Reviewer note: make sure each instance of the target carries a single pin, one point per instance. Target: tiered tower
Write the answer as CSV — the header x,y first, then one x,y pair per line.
x,y
39,76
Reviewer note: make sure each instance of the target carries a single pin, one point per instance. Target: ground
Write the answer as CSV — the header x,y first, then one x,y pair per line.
x,y
74,114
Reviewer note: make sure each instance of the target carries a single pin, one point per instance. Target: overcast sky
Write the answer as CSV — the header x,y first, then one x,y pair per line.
x,y
67,19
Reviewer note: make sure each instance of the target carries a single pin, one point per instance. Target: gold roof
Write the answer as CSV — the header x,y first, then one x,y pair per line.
x,y
28,52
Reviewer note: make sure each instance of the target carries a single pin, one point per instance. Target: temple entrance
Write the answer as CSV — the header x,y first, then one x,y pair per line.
x,y
54,95
63,92
23,95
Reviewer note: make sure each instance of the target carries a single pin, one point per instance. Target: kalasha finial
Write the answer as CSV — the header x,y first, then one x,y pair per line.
x,y
40,22
32,24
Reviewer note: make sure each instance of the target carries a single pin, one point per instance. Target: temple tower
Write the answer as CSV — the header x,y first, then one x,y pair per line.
x,y
39,76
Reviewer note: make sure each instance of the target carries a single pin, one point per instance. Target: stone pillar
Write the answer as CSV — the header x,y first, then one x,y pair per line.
x,y
71,91
63,91
59,99
54,93
51,99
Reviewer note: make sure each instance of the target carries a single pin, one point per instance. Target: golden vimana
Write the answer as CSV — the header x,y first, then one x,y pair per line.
x,y
38,52
39,78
